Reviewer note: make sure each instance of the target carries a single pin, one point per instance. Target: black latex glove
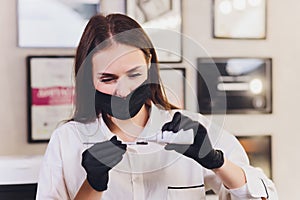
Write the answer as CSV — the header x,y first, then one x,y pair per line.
x,y
101,158
201,150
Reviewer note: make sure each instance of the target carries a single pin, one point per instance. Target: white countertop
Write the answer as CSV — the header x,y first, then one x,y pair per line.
x,y
19,169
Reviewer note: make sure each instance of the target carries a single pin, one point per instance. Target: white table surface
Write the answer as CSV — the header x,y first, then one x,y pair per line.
x,y
19,169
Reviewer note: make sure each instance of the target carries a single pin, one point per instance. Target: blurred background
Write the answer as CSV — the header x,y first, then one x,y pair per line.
x,y
219,28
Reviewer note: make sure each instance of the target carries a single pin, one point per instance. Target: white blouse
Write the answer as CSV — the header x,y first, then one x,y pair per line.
x,y
146,172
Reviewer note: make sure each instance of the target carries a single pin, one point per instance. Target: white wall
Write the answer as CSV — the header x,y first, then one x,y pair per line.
x,y
13,106
281,44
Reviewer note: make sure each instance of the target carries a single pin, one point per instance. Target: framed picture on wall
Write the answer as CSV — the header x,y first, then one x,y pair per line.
x,y
259,151
173,80
162,20
50,92
53,23
234,85
239,19
58,23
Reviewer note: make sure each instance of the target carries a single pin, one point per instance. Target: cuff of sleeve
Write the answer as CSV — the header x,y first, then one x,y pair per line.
x,y
241,192
255,185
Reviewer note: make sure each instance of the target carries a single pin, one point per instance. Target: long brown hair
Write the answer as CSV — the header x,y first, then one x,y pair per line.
x,y
99,34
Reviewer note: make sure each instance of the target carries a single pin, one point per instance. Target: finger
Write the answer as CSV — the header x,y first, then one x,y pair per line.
x,y
108,160
103,145
103,149
115,161
114,140
166,126
123,146
110,143
174,124
180,148
118,143
103,165
102,158
187,123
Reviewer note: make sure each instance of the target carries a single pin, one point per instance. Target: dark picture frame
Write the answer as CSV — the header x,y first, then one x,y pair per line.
x,y
259,151
50,93
174,82
239,19
162,20
234,85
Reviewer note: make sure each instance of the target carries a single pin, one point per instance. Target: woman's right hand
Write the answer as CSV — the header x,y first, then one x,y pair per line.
x,y
99,159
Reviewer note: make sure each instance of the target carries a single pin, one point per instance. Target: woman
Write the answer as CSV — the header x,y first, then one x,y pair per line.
x,y
120,102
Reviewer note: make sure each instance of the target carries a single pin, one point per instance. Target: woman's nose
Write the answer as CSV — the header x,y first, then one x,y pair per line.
x,y
122,89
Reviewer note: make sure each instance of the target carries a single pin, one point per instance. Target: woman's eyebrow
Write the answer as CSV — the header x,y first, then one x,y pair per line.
x,y
133,69
109,74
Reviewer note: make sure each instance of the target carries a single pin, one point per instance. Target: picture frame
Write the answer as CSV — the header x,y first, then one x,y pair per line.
x,y
53,23
173,80
239,19
162,20
234,85
259,151
50,94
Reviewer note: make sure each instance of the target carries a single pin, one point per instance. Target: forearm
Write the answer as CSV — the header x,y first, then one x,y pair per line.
x,y
231,175
87,192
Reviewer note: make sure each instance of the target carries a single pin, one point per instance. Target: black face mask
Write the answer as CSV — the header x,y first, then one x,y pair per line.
x,y
123,108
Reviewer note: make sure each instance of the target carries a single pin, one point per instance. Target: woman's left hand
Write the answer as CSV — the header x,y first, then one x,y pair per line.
x,y
201,150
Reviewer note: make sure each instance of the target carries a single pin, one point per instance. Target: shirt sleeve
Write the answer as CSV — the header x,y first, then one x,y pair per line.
x,y
257,185
51,184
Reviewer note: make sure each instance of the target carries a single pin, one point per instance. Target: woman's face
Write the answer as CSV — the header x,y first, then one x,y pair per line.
x,y
119,69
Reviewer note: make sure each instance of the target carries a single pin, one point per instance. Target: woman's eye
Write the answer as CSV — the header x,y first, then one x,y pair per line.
x,y
134,75
107,80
